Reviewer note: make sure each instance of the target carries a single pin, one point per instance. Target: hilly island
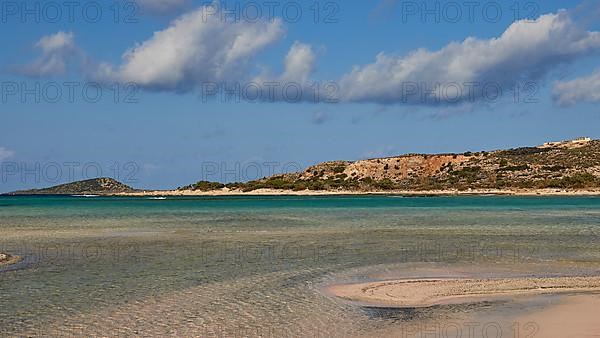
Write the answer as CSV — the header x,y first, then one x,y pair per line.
x,y
566,167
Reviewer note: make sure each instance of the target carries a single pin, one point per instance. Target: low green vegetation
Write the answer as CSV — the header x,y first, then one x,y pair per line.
x,y
526,168
204,186
339,169
577,181
514,168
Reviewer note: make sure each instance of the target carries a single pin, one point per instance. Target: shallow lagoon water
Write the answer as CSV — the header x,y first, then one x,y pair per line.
x,y
258,266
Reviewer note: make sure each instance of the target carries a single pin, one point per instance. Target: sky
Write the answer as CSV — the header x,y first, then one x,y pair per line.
x,y
162,93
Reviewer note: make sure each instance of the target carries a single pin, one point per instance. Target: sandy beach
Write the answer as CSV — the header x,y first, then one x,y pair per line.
x,y
412,293
275,192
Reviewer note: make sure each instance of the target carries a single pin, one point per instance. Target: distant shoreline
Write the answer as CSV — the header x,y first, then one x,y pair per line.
x,y
275,192
408,193
569,168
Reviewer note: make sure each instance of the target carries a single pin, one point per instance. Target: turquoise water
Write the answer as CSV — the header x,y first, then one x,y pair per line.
x,y
251,265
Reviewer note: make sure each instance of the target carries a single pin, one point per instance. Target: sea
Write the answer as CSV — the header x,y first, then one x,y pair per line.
x,y
260,266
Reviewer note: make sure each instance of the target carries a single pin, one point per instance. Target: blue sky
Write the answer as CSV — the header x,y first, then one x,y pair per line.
x,y
381,57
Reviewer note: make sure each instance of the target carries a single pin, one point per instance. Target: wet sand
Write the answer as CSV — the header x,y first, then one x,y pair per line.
x,y
574,316
414,293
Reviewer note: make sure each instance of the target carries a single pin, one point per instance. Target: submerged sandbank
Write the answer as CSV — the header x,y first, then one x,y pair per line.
x,y
412,293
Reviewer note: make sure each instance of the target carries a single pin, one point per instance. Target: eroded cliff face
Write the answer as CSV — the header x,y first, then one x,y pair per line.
x,y
569,164
393,168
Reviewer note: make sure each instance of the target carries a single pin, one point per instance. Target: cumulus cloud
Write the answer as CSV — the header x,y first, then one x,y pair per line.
x,y
5,153
526,51
196,48
56,51
162,6
583,89
299,65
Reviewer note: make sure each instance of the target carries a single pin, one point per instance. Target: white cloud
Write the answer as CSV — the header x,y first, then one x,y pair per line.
x,y
5,153
56,42
583,89
197,47
56,49
299,65
526,51
162,6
